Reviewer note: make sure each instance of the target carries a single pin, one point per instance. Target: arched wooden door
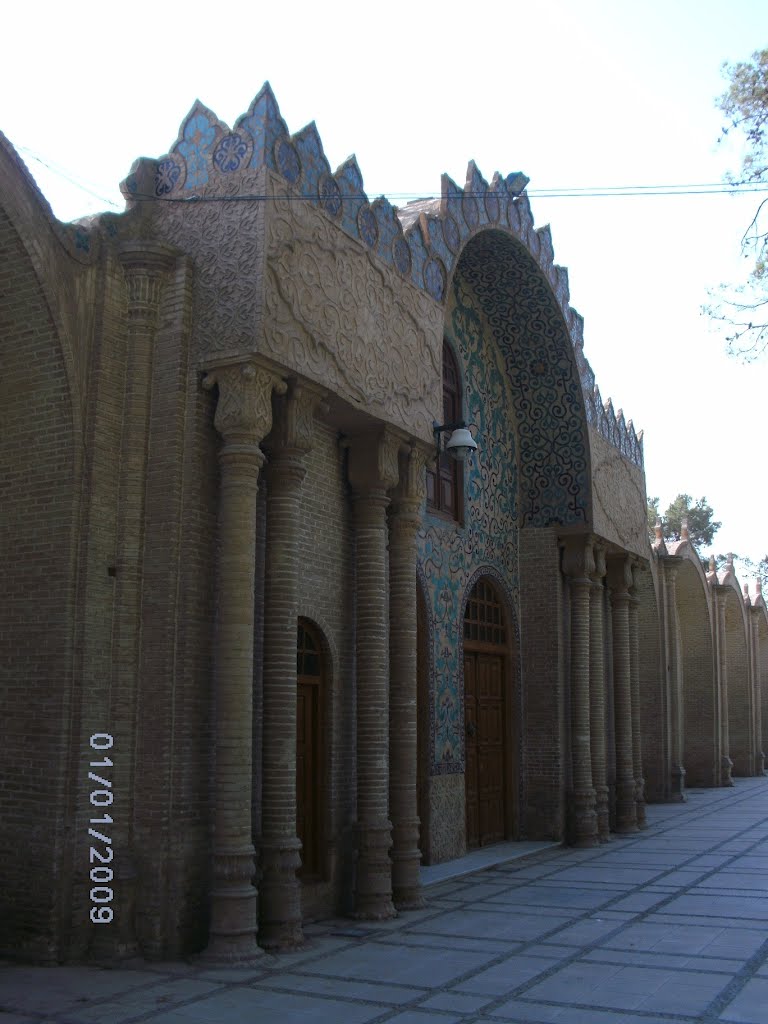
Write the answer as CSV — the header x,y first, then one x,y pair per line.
x,y
309,687
485,654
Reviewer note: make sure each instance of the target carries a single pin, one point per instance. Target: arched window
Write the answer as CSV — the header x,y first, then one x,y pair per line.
x,y
445,478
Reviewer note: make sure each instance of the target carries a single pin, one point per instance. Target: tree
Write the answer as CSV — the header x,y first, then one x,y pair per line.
x,y
744,308
701,528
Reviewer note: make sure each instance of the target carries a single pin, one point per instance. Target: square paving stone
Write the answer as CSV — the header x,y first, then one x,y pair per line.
x,y
738,908
141,1001
655,937
750,1005
686,995
460,1002
506,976
432,968
389,994
614,875
553,896
249,1006
497,925
67,988
422,1017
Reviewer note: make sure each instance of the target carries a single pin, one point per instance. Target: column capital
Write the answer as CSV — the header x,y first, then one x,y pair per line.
x,y
599,571
411,490
374,461
244,409
620,576
145,265
671,564
578,558
294,418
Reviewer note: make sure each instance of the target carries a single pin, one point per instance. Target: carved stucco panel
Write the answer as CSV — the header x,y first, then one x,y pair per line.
x,y
618,496
224,237
336,315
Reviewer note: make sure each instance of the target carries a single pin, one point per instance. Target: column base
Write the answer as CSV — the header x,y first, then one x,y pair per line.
x,y
373,888
677,793
117,942
228,943
406,858
584,825
232,933
603,811
726,767
280,924
626,807
760,763
640,803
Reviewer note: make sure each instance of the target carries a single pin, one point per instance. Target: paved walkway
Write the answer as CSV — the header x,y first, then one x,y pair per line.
x,y
665,927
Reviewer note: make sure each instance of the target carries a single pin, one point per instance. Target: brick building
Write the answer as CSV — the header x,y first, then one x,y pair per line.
x,y
296,651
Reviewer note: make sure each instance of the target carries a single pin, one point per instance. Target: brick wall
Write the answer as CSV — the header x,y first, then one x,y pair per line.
x,y
654,706
542,650
698,681
38,467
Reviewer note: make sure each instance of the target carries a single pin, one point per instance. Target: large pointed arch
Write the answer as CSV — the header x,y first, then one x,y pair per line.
x,y
527,324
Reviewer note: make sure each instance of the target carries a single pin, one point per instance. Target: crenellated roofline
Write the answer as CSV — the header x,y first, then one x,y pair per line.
x,y
422,242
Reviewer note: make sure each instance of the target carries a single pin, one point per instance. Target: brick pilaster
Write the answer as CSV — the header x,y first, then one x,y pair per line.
x,y
670,565
145,266
404,522
619,581
755,615
597,695
634,654
721,647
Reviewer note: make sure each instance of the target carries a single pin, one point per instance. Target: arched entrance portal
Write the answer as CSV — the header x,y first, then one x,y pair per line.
x,y
309,688
487,781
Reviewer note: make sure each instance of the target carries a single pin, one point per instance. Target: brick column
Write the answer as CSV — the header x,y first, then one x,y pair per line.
x,y
145,266
404,521
279,846
755,615
578,563
634,654
597,695
721,648
373,470
619,581
243,418
670,565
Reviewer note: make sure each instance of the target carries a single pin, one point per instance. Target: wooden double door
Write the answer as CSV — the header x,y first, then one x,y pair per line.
x,y
484,719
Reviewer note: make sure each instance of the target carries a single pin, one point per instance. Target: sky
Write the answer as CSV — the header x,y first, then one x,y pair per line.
x,y
574,93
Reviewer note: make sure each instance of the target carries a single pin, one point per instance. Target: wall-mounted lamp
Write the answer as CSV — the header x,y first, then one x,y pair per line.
x,y
460,444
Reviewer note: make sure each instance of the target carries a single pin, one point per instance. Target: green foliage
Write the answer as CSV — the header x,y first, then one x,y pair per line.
x,y
701,528
744,308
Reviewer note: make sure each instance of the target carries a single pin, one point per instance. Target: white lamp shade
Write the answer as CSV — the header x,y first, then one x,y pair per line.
x,y
460,444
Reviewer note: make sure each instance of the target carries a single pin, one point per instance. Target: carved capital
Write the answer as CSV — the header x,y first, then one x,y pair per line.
x,y
244,408
374,461
578,558
411,490
145,265
620,576
671,565
599,570
294,417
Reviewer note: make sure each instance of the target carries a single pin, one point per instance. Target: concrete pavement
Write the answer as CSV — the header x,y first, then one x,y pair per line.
x,y
669,926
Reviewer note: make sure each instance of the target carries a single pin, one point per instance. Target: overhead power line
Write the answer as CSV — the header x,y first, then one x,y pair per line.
x,y
559,192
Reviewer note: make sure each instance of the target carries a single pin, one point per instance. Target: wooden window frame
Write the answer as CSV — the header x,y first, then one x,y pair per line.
x,y
447,472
